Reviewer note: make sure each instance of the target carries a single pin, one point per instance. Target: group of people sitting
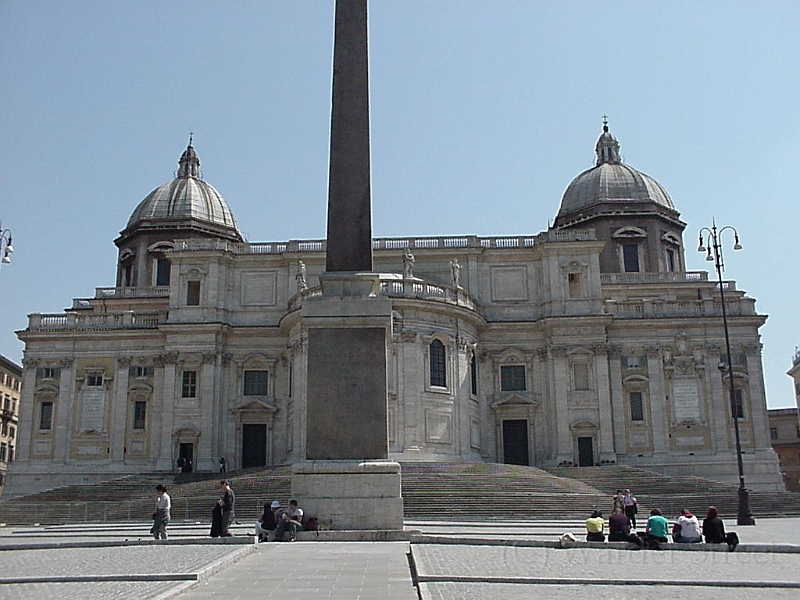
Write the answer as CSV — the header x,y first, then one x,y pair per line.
x,y
685,530
281,524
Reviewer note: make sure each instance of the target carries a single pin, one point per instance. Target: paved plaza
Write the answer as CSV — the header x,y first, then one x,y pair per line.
x,y
474,561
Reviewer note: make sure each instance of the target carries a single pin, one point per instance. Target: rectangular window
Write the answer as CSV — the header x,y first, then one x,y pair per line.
x,y
630,257
637,406
255,383
48,372
580,375
192,293
139,414
797,389
189,384
632,362
738,407
773,433
291,379
140,372
94,379
575,285
12,432
438,364
671,260
473,375
512,378
162,271
46,415
3,452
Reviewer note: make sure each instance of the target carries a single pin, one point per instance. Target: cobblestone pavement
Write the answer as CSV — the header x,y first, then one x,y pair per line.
x,y
484,572
108,562
310,570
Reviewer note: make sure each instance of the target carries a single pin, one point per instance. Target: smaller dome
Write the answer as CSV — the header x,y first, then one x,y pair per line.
x,y
187,197
610,181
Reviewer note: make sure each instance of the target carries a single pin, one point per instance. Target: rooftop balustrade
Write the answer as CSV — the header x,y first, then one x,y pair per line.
x,y
414,243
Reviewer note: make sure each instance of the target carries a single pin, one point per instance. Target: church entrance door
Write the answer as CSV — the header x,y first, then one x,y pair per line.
x,y
254,445
585,452
515,442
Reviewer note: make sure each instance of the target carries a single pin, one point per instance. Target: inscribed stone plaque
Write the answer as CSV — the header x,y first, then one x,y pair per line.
x,y
685,403
347,399
259,288
93,410
509,283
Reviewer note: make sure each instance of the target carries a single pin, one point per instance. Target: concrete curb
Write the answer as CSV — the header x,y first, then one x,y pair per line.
x,y
227,541
424,579
472,541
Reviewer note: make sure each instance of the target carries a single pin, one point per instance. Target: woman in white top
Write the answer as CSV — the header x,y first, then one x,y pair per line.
x,y
161,516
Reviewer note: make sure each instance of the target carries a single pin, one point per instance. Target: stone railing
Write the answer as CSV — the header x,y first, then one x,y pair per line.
x,y
628,278
415,243
394,287
94,322
160,291
654,308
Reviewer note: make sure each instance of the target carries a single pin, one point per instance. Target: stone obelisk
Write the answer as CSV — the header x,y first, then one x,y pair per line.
x,y
346,478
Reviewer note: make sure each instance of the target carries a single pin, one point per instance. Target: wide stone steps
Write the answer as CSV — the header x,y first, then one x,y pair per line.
x,y
431,491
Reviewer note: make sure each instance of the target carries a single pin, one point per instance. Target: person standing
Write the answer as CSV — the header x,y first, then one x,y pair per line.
x,y
630,507
226,503
222,464
162,516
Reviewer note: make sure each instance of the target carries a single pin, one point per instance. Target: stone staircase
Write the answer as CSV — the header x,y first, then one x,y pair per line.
x,y
670,493
431,491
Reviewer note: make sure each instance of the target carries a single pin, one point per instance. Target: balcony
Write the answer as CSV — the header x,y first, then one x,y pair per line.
x,y
632,278
94,322
393,286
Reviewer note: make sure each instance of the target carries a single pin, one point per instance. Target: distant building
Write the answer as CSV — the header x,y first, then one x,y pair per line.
x,y
784,426
784,429
10,384
585,344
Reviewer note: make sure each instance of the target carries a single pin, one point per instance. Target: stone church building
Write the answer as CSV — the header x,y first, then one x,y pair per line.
x,y
586,344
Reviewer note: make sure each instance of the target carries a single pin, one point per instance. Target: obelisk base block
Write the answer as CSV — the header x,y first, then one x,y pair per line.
x,y
350,494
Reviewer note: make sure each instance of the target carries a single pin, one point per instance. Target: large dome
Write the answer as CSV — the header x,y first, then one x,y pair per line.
x,y
186,198
610,182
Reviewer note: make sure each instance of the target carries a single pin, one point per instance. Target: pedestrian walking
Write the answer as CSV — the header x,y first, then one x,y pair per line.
x,y
161,516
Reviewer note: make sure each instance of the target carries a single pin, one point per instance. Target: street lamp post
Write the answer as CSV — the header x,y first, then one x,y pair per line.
x,y
5,245
713,251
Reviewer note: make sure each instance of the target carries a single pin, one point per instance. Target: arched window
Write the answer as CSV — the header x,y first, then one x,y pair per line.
x,y
438,364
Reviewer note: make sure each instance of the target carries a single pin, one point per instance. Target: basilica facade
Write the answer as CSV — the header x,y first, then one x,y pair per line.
x,y
586,344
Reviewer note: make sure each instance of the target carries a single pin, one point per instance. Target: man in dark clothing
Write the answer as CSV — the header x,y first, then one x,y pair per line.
x,y
227,503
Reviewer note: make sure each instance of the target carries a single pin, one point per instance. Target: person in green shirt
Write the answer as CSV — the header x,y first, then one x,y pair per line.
x,y
657,528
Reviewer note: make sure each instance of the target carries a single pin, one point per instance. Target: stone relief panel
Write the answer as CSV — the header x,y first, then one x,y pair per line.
x,y
259,288
475,433
438,426
509,283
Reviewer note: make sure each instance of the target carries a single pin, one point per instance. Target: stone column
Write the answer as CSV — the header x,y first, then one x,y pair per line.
x,y
62,420
564,443
659,411
119,411
166,462
606,408
617,401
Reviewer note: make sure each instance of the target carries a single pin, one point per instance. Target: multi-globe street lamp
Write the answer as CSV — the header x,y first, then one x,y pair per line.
x,y
713,249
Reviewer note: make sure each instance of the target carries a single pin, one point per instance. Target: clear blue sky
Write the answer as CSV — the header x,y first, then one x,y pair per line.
x,y
482,113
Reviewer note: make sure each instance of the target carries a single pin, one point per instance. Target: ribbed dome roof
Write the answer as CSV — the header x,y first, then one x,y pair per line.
x,y
187,197
610,181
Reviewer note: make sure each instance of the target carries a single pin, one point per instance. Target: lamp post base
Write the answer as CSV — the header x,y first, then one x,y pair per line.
x,y
744,517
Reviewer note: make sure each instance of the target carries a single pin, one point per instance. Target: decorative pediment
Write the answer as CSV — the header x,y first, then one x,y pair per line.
x,y
515,399
253,405
629,232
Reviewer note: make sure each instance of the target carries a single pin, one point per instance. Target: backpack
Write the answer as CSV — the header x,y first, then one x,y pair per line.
x,y
311,524
732,539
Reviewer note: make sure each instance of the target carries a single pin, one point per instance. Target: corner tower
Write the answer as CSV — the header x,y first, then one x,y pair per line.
x,y
628,209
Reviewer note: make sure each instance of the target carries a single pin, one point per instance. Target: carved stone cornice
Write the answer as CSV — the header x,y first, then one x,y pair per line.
x,y
209,358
